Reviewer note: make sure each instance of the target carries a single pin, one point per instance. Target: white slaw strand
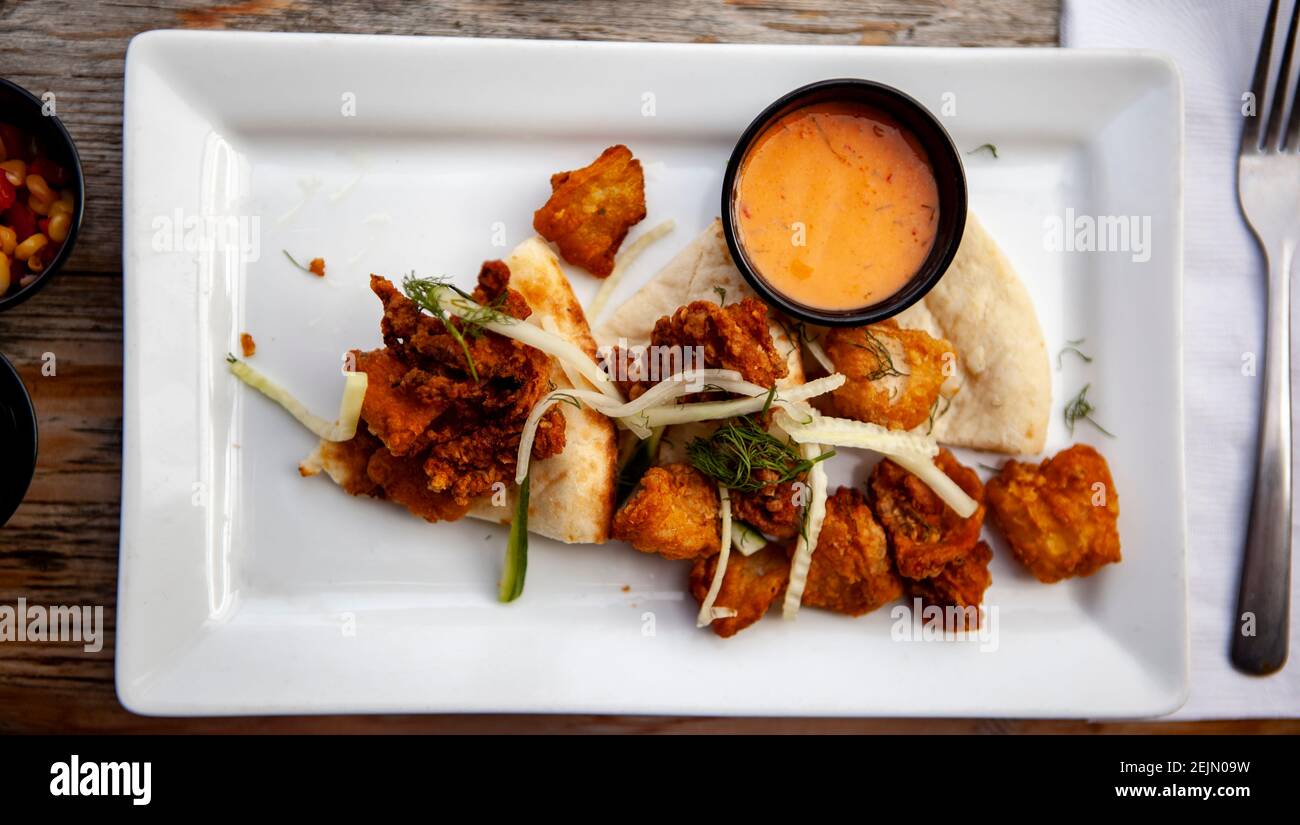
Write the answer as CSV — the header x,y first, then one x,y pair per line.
x,y
938,481
914,453
591,398
746,539
629,254
715,410
343,429
819,354
846,432
536,337
627,413
707,612
571,374
807,544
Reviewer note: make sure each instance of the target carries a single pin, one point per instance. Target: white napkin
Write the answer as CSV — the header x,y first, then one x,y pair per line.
x,y
1214,43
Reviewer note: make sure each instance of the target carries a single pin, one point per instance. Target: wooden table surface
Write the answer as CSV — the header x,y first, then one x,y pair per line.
x,y
61,547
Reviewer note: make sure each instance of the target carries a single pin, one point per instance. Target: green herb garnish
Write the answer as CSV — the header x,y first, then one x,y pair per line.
x,y
1081,409
722,295
294,261
512,577
936,413
738,450
429,293
985,147
1072,346
884,361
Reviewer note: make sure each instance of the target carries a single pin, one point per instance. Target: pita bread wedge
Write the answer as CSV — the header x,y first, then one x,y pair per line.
x,y
982,308
572,493
697,273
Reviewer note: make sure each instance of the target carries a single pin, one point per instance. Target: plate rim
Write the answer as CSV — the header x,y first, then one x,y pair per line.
x,y
138,50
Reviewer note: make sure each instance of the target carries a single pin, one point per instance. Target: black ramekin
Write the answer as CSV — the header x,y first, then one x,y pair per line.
x,y
18,440
24,110
949,174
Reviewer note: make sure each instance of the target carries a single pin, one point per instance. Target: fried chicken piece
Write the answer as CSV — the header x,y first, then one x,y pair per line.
x,y
749,585
734,337
592,208
771,510
924,532
894,374
673,512
403,481
960,584
851,571
1061,517
423,401
397,418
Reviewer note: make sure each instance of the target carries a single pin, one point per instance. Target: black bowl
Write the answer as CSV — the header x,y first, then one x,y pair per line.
x,y
949,175
17,440
21,108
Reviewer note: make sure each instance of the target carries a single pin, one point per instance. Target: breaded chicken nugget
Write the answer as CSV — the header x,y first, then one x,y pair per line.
x,y
771,510
925,533
673,512
961,583
592,208
1061,517
749,586
732,337
851,571
894,374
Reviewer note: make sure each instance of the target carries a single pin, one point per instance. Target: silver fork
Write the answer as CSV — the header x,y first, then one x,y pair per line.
x,y
1268,185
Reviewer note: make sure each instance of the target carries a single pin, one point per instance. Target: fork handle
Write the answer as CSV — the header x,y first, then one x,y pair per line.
x,y
1262,622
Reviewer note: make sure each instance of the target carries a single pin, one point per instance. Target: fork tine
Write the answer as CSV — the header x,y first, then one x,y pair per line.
x,y
1275,121
1293,121
1259,85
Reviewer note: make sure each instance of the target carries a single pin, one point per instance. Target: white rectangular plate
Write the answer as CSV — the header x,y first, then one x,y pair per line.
x,y
246,589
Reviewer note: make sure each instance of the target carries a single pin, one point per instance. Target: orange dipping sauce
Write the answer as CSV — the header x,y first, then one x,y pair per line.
x,y
836,205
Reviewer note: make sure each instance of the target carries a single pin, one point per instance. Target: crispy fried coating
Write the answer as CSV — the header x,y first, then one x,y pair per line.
x,y
1061,517
851,571
592,208
425,409
771,510
894,374
673,512
961,583
397,418
924,533
404,482
734,337
749,586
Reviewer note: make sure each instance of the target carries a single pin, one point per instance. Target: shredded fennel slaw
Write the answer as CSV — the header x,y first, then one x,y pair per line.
x,y
342,429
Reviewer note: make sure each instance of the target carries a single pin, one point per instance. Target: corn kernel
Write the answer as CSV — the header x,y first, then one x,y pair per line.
x,y
4,273
39,189
59,224
15,170
25,250
8,240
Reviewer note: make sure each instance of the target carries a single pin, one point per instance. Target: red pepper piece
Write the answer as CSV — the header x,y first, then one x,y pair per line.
x,y
21,220
52,172
8,194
